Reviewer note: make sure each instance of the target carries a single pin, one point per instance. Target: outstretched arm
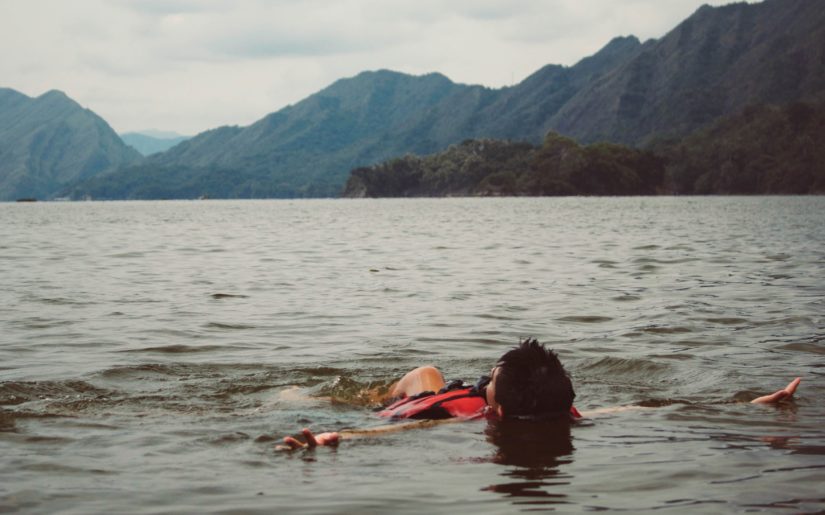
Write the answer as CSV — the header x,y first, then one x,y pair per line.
x,y
780,395
774,398
334,438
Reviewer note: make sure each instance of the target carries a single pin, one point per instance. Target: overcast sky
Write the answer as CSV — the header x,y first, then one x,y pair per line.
x,y
192,65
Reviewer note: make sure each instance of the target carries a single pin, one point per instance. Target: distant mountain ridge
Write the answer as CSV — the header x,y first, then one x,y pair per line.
x,y
308,149
711,65
50,141
152,142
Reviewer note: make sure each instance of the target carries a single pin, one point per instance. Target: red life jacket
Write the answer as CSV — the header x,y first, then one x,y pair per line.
x,y
464,402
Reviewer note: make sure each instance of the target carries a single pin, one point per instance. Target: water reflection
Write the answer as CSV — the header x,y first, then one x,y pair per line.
x,y
533,453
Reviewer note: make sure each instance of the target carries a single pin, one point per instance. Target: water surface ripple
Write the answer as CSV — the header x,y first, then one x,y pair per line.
x,y
152,352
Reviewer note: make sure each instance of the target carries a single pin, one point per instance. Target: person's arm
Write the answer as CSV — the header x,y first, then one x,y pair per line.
x,y
774,398
611,410
334,438
779,395
421,379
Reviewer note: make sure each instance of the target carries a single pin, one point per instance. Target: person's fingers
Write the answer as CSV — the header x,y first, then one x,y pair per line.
x,y
791,388
292,443
311,441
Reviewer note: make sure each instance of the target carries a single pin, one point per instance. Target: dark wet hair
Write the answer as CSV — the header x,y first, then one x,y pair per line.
x,y
531,382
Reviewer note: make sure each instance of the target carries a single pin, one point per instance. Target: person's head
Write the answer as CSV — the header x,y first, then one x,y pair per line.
x,y
530,381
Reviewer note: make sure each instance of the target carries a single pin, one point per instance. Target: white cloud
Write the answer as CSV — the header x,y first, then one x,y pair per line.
x,y
191,65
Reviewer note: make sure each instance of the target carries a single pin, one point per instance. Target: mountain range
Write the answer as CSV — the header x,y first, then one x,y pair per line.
x,y
50,141
712,65
765,149
152,142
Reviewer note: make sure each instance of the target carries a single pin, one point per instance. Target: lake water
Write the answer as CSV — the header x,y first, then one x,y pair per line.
x,y
151,353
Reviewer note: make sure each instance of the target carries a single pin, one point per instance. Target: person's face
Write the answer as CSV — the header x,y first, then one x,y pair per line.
x,y
491,392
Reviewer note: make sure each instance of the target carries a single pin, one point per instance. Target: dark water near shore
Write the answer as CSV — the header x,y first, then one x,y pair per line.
x,y
151,353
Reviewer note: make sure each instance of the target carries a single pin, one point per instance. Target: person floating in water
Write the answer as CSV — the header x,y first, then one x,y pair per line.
x,y
528,382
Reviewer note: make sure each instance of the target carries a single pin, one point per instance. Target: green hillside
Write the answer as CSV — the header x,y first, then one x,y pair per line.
x,y
308,149
762,150
50,141
559,166
713,64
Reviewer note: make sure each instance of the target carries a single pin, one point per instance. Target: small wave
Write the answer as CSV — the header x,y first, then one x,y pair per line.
x,y
585,319
321,371
219,296
59,468
60,301
697,343
778,257
726,320
626,298
244,389
615,367
490,316
813,348
224,326
182,369
7,421
19,392
786,321
664,261
815,450
48,439
128,255
229,438
666,330
178,349
458,340
346,390
646,260
42,323
142,370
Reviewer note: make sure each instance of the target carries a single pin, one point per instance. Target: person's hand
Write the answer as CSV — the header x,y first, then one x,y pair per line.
x,y
312,441
785,393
